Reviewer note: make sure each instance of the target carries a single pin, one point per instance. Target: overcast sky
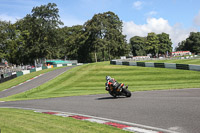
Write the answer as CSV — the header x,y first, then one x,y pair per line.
x,y
140,17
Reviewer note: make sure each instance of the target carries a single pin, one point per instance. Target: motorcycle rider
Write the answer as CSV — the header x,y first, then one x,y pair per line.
x,y
112,84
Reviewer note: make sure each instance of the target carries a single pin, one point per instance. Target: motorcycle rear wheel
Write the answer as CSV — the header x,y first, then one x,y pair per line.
x,y
127,92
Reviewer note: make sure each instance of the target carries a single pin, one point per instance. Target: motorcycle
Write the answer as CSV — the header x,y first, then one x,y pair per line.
x,y
122,90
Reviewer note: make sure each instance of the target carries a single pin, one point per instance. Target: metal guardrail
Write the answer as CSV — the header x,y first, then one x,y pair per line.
x,y
12,69
158,65
4,69
144,58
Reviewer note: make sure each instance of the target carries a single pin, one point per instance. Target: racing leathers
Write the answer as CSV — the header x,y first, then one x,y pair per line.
x,y
112,85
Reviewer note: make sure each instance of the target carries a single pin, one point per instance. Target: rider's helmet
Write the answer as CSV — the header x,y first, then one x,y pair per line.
x,y
108,78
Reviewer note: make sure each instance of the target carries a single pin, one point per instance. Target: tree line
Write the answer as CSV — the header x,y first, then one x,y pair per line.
x,y
41,35
154,44
192,43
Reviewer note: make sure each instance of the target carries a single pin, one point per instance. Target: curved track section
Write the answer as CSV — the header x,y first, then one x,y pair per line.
x,y
34,83
175,110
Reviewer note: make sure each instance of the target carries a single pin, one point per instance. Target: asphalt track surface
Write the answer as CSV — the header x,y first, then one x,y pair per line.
x,y
175,110
34,83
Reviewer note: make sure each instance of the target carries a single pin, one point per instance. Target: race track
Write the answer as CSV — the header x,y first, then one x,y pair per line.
x,y
34,83
176,110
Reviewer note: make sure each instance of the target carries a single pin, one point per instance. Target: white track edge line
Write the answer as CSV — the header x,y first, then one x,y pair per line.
x,y
106,119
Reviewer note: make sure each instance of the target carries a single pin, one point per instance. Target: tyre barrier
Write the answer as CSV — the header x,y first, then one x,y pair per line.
x,y
158,65
9,76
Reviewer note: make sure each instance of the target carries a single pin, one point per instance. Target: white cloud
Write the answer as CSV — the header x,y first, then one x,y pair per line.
x,y
151,13
5,17
197,19
138,5
176,32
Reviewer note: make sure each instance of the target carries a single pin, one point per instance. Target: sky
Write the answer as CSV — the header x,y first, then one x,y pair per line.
x,y
175,17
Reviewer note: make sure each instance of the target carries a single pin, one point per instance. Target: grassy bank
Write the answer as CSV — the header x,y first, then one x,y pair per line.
x,y
183,61
90,79
26,121
21,79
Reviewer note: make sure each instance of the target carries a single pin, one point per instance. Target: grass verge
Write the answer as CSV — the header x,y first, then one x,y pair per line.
x,y
90,79
183,61
21,79
26,121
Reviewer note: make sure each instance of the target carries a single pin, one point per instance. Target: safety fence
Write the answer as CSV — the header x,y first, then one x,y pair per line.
x,y
12,75
158,65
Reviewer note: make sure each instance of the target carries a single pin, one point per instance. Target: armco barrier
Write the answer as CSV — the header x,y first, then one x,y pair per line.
x,y
113,62
125,63
59,65
158,65
69,64
194,67
118,62
19,73
26,72
170,65
182,66
149,64
133,63
8,76
39,68
44,67
141,64
32,70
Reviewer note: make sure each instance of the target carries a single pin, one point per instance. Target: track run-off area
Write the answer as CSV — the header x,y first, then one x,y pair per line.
x,y
160,110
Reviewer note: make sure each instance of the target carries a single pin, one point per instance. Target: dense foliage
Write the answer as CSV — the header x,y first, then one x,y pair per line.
x,y
192,43
39,35
153,44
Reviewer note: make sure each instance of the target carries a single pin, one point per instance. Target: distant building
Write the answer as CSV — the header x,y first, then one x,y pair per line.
x,y
181,53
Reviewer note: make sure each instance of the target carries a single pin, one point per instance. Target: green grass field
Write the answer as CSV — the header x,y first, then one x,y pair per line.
x,y
183,61
90,79
85,80
21,79
26,121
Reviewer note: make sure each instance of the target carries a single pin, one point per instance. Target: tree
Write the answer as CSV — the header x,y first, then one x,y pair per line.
x,y
193,43
38,36
152,44
138,45
3,38
72,37
42,27
181,46
105,37
11,40
46,19
165,43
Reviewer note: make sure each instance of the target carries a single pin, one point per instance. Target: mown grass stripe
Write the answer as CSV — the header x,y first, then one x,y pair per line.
x,y
90,79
